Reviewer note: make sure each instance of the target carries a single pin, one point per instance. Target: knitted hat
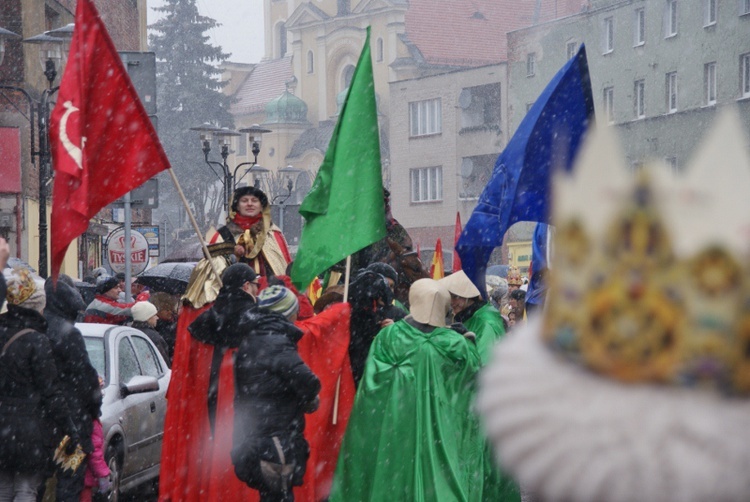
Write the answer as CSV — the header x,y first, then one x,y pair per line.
x,y
429,302
279,299
143,311
104,283
384,269
23,291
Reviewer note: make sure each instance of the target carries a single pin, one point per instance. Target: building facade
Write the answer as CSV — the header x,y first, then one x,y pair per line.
x,y
19,136
660,69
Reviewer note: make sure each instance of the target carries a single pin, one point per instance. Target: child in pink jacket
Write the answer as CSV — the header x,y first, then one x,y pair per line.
x,y
97,471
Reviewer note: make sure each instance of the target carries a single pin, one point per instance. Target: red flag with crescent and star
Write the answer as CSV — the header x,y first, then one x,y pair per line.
x,y
103,142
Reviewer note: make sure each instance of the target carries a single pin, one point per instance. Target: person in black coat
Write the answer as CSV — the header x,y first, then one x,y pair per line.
x,y
33,411
226,323
79,381
274,390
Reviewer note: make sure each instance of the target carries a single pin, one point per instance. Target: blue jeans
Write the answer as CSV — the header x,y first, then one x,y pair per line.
x,y
18,487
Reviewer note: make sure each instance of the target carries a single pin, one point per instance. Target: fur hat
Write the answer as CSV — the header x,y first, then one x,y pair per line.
x,y
248,190
279,299
459,284
429,302
106,282
23,291
143,311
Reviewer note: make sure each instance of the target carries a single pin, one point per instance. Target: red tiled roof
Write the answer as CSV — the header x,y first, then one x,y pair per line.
x,y
266,82
473,32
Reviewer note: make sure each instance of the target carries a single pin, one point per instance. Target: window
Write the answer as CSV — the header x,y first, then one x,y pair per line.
x,y
474,175
346,77
709,83
609,35
379,50
310,62
639,95
425,117
709,12
609,104
127,362
146,357
426,184
571,48
671,86
745,75
639,27
531,64
282,40
671,19
480,107
744,7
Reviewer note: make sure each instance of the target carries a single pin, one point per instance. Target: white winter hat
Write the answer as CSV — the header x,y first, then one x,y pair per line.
x,y
143,311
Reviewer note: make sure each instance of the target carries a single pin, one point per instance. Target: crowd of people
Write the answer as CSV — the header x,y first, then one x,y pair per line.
x,y
351,395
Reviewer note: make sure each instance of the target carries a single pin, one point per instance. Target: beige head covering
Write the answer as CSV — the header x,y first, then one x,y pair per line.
x,y
429,302
459,284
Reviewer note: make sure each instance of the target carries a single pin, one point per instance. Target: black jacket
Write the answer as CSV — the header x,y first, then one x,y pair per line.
x,y
79,381
155,336
274,389
33,411
224,325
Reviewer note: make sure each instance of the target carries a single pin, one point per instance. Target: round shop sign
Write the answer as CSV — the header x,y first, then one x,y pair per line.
x,y
138,252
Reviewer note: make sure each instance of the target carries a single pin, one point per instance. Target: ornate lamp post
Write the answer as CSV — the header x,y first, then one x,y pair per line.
x,y
224,136
52,51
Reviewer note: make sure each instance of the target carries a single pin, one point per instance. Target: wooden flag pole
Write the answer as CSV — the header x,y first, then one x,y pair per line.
x,y
335,419
206,253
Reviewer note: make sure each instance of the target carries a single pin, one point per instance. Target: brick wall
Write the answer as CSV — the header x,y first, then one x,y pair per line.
x,y
121,19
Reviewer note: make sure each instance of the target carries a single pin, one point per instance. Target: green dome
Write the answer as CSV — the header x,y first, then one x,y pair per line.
x,y
286,109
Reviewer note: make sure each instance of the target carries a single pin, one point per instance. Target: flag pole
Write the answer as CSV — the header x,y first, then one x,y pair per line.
x,y
206,253
335,418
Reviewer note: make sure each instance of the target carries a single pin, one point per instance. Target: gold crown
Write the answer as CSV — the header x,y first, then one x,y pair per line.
x,y
650,280
514,276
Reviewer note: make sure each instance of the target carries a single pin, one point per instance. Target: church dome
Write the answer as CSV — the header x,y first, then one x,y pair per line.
x,y
286,109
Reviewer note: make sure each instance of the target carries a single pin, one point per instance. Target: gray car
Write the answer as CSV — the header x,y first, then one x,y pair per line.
x,y
135,378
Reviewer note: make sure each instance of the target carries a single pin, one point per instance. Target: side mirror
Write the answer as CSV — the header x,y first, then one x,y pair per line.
x,y
139,384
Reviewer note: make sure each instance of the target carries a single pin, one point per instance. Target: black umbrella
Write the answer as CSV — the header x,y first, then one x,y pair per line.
x,y
168,277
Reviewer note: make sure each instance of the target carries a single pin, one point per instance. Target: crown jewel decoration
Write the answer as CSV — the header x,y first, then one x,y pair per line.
x,y
651,277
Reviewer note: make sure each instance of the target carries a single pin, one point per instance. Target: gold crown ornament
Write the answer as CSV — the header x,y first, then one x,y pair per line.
x,y
654,285
514,276
633,383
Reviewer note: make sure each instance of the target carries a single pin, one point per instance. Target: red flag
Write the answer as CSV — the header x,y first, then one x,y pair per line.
x,y
457,233
436,269
103,143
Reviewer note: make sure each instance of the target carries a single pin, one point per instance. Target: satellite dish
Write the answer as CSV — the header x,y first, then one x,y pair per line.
x,y
464,99
467,167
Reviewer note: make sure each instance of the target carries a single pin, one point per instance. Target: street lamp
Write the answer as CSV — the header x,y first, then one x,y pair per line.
x,y
52,51
224,137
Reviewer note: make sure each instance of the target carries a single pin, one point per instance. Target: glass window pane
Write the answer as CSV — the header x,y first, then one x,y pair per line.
x,y
128,364
146,356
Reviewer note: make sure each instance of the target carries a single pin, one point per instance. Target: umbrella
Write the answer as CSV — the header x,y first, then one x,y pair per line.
x,y
168,277
187,252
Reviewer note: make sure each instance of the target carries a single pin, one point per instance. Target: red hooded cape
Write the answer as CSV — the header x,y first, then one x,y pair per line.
x,y
196,467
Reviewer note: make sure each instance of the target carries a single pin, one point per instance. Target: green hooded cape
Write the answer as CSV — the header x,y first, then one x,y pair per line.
x,y
412,436
487,324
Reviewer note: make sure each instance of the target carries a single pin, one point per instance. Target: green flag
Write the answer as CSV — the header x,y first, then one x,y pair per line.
x,y
344,211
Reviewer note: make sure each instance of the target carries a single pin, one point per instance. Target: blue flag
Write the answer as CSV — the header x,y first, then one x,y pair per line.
x,y
548,137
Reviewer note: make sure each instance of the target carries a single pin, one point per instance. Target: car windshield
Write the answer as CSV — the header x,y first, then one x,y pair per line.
x,y
95,348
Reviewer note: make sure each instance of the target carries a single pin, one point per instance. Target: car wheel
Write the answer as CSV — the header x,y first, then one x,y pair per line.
x,y
113,456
